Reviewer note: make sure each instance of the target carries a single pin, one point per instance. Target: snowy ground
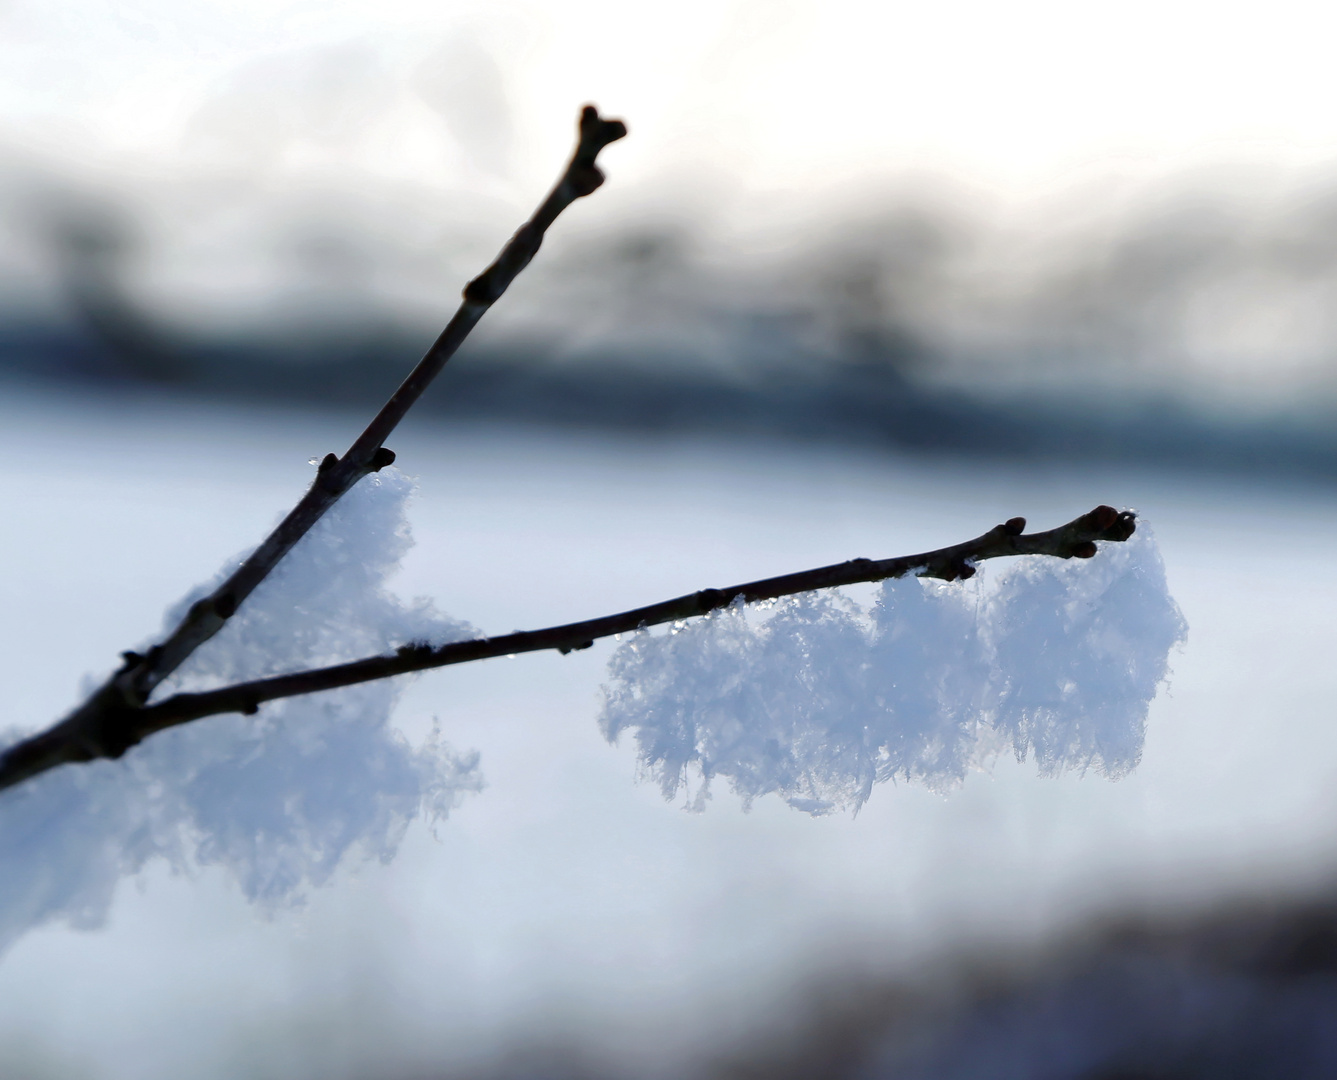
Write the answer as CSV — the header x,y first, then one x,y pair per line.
x,y
566,902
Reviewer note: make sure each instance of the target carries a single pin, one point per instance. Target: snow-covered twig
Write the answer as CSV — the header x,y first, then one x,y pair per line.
x,y
109,722
1077,539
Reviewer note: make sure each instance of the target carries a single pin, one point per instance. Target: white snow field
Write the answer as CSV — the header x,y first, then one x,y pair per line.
x,y
517,883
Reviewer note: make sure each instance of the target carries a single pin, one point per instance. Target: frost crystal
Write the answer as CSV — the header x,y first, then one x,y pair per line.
x,y
817,700
279,799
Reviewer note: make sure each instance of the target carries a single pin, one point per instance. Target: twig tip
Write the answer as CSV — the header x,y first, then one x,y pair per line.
x,y
598,132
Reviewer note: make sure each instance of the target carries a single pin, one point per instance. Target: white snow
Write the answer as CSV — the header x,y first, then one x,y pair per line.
x,y
278,799
821,700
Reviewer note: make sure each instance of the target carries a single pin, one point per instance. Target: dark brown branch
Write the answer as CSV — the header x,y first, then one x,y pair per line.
x,y
102,726
367,454
1077,539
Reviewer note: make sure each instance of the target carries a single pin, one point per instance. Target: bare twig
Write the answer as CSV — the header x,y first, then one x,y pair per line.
x,y
106,724
1077,539
368,454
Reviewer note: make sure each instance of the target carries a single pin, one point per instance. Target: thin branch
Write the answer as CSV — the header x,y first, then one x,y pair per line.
x,y
103,725
337,475
1077,539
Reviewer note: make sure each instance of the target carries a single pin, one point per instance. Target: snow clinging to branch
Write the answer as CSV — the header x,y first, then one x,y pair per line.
x,y
278,800
817,700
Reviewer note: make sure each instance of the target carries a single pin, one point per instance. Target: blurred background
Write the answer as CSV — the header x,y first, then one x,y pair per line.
x,y
963,228
865,279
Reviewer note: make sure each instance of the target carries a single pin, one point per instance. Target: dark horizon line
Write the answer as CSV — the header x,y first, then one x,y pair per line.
x,y
872,406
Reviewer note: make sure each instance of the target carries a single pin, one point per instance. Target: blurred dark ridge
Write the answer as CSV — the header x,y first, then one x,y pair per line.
x,y
1156,330
1246,992
860,404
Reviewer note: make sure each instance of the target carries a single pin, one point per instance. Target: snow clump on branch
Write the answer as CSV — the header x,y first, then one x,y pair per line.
x,y
277,800
816,700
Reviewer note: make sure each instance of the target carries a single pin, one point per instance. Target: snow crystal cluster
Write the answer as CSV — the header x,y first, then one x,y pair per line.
x,y
278,799
816,700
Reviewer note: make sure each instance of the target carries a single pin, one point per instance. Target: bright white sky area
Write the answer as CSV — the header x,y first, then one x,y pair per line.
x,y
1148,182
779,96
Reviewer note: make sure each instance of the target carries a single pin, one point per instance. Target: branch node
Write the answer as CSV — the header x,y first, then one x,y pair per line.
x,y
481,291
1084,550
328,462
1014,526
1102,517
1123,528
225,605
710,599
949,566
595,134
586,180
382,459
1109,523
106,730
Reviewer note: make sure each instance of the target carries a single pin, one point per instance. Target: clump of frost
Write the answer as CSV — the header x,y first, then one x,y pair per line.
x,y
817,700
278,800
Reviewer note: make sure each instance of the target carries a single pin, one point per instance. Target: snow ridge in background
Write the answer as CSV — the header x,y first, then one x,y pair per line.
x,y
278,799
817,700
